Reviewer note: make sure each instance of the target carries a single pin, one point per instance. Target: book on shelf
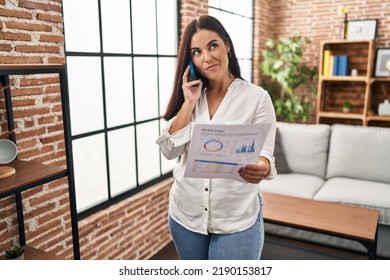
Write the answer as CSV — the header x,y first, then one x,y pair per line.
x,y
341,65
335,67
331,65
325,68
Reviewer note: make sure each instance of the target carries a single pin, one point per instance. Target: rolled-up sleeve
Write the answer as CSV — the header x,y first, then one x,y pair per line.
x,y
174,145
266,114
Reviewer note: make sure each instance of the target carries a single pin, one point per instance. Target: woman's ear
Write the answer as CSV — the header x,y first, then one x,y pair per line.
x,y
227,44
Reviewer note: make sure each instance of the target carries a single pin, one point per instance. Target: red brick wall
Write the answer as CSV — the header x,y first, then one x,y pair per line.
x,y
190,9
318,20
31,32
135,228
263,28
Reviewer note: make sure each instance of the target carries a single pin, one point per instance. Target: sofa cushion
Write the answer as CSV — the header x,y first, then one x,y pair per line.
x,y
305,147
358,192
294,184
359,152
279,154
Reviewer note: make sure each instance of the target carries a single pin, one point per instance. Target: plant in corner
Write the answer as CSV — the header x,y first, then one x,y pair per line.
x,y
14,252
282,62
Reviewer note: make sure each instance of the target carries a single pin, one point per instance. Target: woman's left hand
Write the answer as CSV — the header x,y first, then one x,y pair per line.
x,y
254,173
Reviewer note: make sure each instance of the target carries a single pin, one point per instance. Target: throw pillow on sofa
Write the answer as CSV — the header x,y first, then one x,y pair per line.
x,y
359,152
279,154
305,147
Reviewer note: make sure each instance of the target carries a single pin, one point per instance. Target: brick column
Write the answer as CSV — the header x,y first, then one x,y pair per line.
x,y
189,9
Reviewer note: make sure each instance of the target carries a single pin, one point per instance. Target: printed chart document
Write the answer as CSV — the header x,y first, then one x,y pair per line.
x,y
219,151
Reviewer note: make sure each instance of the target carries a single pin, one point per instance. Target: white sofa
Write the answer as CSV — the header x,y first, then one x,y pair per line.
x,y
339,163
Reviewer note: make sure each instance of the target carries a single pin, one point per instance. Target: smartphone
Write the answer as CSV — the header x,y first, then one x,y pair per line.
x,y
192,70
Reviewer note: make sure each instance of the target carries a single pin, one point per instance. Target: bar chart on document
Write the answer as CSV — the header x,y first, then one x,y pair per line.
x,y
217,162
219,151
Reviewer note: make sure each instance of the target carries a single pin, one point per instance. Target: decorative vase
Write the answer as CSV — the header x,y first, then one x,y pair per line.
x,y
345,27
384,108
342,10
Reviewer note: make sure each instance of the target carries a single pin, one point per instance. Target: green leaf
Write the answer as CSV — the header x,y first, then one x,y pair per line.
x,y
283,63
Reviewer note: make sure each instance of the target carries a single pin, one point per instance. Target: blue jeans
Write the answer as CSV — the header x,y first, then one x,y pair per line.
x,y
244,245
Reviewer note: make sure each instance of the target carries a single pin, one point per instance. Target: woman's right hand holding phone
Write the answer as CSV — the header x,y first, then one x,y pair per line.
x,y
192,89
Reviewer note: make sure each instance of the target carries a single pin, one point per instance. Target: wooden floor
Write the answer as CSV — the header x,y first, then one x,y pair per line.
x,y
167,253
277,248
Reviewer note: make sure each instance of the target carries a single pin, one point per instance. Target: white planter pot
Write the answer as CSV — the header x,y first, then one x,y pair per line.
x,y
346,110
21,257
384,108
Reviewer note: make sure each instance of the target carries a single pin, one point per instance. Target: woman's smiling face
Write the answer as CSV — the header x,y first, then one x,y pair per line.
x,y
209,54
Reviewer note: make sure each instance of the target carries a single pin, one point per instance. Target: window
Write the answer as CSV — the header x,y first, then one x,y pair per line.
x,y
237,18
120,61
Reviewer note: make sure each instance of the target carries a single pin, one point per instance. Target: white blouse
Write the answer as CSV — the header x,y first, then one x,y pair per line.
x,y
219,205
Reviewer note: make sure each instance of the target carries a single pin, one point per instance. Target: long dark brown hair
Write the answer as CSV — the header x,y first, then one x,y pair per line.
x,y
202,22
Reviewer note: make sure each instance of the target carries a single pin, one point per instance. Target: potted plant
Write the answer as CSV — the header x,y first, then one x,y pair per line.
x,y
282,62
14,252
346,107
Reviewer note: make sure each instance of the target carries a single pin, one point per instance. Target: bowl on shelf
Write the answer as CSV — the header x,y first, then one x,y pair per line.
x,y
8,151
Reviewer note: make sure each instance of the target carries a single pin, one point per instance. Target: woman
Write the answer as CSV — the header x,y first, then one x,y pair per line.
x,y
215,218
